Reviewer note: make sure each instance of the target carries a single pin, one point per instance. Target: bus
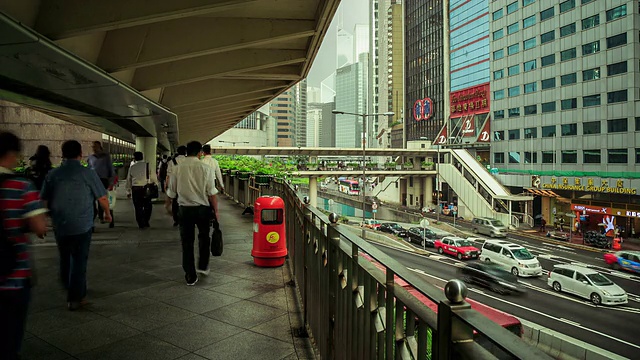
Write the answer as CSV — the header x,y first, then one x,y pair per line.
x,y
351,187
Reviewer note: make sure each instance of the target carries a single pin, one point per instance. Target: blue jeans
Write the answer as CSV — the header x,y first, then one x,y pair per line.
x,y
13,313
74,253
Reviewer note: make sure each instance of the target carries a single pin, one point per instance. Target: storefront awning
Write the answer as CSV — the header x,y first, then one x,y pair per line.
x,y
547,193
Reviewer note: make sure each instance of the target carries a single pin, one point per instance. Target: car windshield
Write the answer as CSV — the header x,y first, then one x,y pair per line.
x,y
599,280
395,226
461,243
496,223
522,254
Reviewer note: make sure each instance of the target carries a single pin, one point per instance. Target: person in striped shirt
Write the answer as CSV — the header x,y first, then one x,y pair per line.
x,y
20,211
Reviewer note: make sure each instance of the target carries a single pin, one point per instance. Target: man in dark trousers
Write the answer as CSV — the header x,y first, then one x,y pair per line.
x,y
100,162
193,183
163,166
137,179
182,152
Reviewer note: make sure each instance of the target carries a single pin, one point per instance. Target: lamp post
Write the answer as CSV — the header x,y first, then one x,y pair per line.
x,y
233,142
437,182
364,159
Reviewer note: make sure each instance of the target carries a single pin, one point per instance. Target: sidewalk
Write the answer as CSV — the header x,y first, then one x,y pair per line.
x,y
141,308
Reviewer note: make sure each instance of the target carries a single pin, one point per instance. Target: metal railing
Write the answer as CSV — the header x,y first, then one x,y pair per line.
x,y
357,302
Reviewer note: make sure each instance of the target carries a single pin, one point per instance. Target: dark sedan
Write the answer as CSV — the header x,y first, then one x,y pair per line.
x,y
491,277
418,235
393,228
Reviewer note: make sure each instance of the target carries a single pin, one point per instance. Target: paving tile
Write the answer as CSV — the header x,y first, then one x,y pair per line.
x,y
173,273
152,316
140,347
245,314
247,345
199,302
195,333
88,336
111,305
56,319
276,298
168,290
132,282
245,288
215,279
41,301
278,328
191,357
38,349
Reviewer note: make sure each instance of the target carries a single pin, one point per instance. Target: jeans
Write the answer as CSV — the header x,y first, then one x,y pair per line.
x,y
13,314
192,216
74,253
142,205
175,210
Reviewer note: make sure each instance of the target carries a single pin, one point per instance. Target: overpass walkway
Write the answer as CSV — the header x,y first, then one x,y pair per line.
x,y
141,308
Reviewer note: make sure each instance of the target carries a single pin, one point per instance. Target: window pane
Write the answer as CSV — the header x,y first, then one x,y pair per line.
x,y
548,157
514,91
586,1
548,36
591,156
527,2
569,129
514,112
591,127
549,131
498,94
498,74
617,125
548,83
530,157
530,21
514,134
591,74
498,135
638,124
531,109
530,133
498,34
616,12
512,7
568,54
529,88
617,68
569,156
529,65
617,156
568,104
529,43
591,48
549,106
546,14
616,96
498,54
513,70
591,100
567,5
616,40
513,49
548,60
498,14
568,79
514,157
513,28
498,158
567,29
637,155
499,114
591,22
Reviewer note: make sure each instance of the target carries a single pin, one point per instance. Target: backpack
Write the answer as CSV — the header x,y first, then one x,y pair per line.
x,y
163,169
8,252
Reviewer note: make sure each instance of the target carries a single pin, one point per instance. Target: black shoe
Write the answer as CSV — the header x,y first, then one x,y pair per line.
x,y
176,224
191,281
111,225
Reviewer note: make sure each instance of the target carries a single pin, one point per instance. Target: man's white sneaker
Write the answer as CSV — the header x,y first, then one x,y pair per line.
x,y
193,282
204,272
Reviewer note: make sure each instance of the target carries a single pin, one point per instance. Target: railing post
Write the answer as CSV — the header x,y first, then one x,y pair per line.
x,y
333,284
451,330
390,336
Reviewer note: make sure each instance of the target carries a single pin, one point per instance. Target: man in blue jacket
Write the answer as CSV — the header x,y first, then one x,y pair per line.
x,y
100,162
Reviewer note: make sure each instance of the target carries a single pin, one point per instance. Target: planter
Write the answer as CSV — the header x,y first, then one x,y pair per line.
x,y
428,167
245,175
233,172
263,179
398,167
312,167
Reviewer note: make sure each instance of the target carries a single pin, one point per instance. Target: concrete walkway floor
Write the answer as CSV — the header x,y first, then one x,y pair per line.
x,y
141,308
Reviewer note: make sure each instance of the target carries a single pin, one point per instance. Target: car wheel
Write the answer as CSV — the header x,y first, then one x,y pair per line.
x,y
459,256
475,231
487,260
498,289
440,251
595,299
515,271
556,286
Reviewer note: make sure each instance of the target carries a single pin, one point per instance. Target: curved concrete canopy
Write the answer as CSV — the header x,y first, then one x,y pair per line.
x,y
211,62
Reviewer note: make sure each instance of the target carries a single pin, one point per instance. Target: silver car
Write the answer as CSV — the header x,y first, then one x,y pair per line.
x,y
489,227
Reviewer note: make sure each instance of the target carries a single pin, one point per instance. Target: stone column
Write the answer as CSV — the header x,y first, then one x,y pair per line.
x,y
313,191
148,146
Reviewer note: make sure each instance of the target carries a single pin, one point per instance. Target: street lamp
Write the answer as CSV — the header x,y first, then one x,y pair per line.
x,y
364,158
437,182
233,142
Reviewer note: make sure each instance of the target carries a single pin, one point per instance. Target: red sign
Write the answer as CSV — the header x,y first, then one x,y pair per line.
x,y
470,101
589,209
485,134
423,109
442,137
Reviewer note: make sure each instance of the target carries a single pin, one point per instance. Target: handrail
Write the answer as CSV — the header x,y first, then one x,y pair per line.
x,y
457,152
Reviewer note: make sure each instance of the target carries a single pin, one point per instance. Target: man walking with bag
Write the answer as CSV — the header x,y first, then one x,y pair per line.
x,y
209,160
100,162
137,180
193,183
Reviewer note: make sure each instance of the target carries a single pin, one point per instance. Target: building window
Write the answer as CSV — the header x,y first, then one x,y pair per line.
x,y
530,157
591,127
497,14
498,34
548,157
638,124
591,48
548,36
498,135
591,156
529,43
568,54
568,79
616,40
530,21
529,88
548,84
549,131
617,68
531,133
568,104
529,65
513,49
546,14
616,96
591,100
567,5
498,74
617,125
591,74
569,156
498,94
498,158
498,114
513,91
568,30
527,2
617,156
549,107
498,54
514,134
514,157
512,7
514,112
637,155
586,1
617,12
591,21
513,28
513,70
569,129
531,109
548,60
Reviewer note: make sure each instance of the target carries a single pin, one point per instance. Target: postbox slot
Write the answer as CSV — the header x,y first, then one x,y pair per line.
x,y
272,216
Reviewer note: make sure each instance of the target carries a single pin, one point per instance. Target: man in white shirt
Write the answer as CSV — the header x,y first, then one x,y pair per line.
x,y
173,164
193,183
137,179
209,160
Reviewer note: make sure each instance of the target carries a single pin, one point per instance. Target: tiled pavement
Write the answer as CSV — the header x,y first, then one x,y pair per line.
x,y
141,308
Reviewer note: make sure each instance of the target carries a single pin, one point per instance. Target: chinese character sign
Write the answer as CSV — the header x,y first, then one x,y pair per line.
x,y
470,101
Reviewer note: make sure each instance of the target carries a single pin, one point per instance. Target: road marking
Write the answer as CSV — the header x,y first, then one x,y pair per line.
x,y
570,322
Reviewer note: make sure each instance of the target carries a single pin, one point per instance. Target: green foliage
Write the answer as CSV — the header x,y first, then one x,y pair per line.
x,y
408,164
390,165
427,163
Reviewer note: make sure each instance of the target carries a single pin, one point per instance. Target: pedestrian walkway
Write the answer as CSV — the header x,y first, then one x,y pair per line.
x,y
141,308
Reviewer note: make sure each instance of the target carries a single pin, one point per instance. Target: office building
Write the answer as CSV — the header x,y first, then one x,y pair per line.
x,y
300,90
257,129
314,119
327,126
394,74
351,96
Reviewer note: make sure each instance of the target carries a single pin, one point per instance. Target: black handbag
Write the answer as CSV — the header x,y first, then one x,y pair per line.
x,y
151,189
216,238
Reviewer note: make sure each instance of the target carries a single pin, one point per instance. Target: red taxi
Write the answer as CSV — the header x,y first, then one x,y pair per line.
x,y
458,247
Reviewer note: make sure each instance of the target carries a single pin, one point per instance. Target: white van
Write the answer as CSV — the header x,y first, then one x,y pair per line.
x,y
512,257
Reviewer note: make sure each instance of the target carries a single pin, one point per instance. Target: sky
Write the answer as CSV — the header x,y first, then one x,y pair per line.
x,y
355,12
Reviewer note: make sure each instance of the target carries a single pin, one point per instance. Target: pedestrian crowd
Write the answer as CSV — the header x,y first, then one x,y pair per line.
x,y
72,196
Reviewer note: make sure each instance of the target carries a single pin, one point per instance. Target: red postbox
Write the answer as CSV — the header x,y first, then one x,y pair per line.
x,y
269,241
616,245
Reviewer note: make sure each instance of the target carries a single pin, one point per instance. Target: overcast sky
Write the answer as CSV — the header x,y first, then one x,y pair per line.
x,y
355,12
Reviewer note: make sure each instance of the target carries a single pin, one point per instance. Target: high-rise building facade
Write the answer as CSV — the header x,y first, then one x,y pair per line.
x,y
344,47
351,96
301,113
327,126
282,109
394,74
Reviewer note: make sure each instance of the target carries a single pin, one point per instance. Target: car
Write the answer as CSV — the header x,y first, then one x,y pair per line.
x,y
371,224
586,283
458,247
626,260
511,257
418,235
393,228
492,277
488,226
